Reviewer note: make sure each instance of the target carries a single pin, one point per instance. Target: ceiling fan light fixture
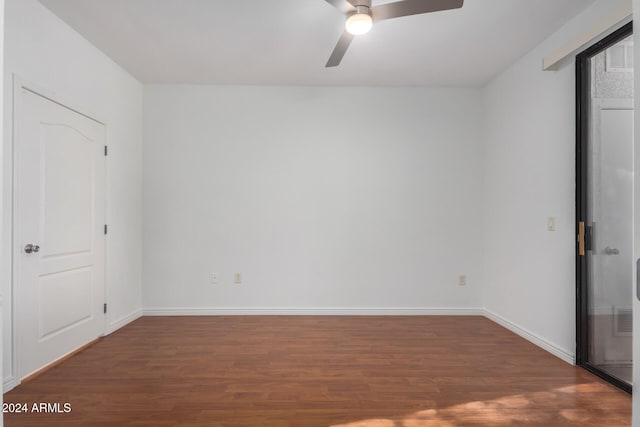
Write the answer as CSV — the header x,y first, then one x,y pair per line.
x,y
360,21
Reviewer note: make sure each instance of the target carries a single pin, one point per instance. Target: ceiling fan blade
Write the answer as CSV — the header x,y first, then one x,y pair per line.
x,y
340,49
412,7
342,5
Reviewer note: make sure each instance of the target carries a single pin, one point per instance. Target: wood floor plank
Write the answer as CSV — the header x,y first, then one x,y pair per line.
x,y
308,371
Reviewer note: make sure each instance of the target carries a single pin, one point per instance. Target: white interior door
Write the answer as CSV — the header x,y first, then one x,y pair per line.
x,y
59,210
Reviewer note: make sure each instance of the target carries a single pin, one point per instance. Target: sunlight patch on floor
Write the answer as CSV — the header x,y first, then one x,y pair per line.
x,y
560,406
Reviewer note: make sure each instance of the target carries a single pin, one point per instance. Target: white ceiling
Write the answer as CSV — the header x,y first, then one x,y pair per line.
x,y
288,42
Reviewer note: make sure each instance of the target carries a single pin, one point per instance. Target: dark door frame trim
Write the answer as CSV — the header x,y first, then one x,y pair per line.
x,y
582,132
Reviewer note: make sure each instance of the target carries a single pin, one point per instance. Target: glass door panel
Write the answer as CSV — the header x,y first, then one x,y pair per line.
x,y
606,210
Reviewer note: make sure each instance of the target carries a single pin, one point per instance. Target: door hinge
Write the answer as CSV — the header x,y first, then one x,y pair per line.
x,y
105,308
106,150
105,228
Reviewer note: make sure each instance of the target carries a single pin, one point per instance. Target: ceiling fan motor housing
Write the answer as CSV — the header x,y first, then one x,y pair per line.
x,y
362,7
361,10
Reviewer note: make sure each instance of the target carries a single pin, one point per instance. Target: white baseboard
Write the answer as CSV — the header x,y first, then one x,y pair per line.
x,y
114,326
561,353
314,311
9,384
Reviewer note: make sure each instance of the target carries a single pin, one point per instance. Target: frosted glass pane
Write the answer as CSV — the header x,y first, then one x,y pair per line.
x,y
616,57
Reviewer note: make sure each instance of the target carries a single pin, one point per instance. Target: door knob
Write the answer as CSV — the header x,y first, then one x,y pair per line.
x,y
611,251
31,248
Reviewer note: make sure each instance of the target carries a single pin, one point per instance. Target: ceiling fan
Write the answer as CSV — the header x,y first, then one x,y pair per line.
x,y
361,16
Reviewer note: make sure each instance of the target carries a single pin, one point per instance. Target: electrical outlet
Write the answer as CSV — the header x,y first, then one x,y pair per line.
x,y
237,278
214,278
462,280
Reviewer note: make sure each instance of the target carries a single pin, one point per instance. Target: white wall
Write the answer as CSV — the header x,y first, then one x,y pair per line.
x,y
43,50
344,198
529,160
636,231
2,235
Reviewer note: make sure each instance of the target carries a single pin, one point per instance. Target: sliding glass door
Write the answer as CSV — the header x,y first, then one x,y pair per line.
x,y
605,207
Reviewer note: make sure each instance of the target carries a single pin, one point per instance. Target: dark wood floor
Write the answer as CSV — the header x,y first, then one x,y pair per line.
x,y
319,371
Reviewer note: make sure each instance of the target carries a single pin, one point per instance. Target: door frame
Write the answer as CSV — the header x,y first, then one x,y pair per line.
x,y
582,134
20,83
